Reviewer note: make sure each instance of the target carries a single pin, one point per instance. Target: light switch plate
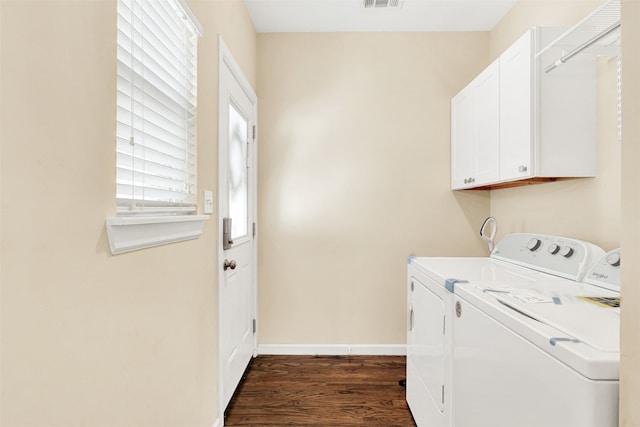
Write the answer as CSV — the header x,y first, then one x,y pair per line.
x,y
208,202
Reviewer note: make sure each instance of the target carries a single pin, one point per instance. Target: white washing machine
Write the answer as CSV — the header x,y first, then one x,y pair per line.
x,y
539,356
436,356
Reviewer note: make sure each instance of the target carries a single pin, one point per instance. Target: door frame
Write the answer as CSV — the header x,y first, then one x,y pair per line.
x,y
226,60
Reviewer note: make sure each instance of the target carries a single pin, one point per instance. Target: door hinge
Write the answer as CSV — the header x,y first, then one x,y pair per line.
x,y
254,229
255,328
254,132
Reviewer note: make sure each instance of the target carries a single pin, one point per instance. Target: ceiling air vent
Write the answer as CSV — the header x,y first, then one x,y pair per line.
x,y
382,3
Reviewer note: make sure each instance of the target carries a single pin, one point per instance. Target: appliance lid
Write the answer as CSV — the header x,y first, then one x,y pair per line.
x,y
579,333
478,270
577,317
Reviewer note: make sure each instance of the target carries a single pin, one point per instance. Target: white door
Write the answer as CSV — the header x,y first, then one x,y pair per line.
x,y
475,131
462,139
516,128
487,125
236,242
427,348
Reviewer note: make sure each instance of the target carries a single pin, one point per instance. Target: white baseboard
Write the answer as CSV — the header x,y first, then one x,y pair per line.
x,y
333,349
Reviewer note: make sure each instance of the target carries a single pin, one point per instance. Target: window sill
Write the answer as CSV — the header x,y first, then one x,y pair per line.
x,y
128,234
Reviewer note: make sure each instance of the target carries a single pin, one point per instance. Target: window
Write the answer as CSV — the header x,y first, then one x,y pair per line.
x,y
156,126
238,172
156,107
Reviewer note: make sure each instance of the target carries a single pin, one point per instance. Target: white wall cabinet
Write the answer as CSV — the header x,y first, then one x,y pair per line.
x,y
515,122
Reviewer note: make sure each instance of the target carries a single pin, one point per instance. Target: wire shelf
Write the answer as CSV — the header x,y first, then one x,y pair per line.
x,y
598,33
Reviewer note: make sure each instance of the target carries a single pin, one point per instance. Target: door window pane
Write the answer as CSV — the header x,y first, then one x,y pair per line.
x,y
238,173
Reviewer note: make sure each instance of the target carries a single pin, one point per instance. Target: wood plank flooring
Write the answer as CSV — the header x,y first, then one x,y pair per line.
x,y
321,391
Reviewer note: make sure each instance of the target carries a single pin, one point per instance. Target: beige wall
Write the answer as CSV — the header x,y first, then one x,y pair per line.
x,y
354,144
612,198
90,339
630,329
528,13
559,208
354,176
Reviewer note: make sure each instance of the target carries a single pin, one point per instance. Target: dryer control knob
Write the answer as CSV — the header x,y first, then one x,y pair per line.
x,y
533,244
613,259
566,251
553,249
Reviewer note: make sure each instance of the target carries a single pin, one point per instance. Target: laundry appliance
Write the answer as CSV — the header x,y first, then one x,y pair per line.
x,y
477,356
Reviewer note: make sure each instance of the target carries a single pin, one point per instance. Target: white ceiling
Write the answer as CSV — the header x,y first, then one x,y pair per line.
x,y
351,16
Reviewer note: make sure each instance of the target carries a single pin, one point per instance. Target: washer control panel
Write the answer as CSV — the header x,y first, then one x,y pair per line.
x,y
606,271
561,256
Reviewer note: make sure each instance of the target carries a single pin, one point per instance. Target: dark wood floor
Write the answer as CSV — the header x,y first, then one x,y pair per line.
x,y
321,391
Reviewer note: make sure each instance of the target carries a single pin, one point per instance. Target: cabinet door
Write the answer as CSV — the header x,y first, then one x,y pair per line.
x,y
487,125
516,115
462,138
475,131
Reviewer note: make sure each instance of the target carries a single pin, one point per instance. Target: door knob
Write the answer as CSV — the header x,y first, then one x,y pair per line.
x,y
229,264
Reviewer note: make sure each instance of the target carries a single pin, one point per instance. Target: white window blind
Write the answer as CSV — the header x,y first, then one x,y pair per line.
x,y
156,118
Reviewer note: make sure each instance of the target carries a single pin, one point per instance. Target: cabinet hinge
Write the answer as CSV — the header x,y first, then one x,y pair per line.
x,y
254,326
443,394
254,132
254,229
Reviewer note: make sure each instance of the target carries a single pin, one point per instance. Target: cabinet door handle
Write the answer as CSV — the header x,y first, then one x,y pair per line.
x,y
522,168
